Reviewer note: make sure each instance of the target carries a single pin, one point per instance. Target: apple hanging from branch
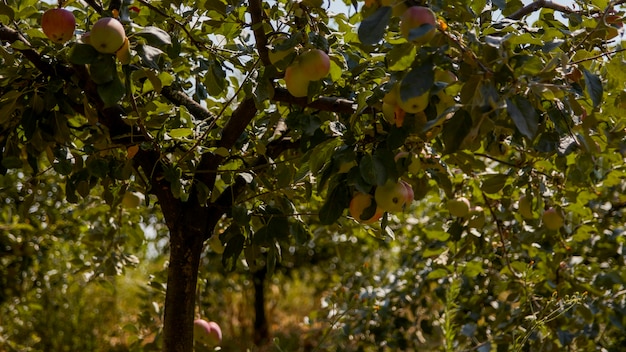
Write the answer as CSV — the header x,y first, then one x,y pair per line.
x,y
107,35
418,24
208,333
58,25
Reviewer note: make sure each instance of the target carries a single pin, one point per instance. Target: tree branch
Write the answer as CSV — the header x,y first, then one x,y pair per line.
x,y
537,5
180,98
256,13
96,6
339,105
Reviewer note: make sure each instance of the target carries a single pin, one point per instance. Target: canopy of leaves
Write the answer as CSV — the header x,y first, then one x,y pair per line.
x,y
199,121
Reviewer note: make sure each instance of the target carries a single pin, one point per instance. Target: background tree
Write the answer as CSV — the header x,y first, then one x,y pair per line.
x,y
189,110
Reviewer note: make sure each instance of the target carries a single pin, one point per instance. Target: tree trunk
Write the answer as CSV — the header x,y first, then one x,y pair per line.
x,y
182,277
261,328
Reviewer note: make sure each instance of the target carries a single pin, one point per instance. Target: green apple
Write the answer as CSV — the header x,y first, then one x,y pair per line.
x,y
315,64
107,35
417,16
58,25
392,196
297,81
363,208
207,332
458,207
552,219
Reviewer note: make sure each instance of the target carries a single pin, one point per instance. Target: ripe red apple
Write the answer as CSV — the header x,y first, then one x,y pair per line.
x,y
315,64
107,35
358,205
207,332
58,25
297,81
417,16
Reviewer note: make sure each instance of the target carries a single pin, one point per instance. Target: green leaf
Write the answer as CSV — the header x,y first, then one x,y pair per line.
x,y
417,82
372,170
478,6
372,29
83,54
455,130
155,36
149,55
215,79
180,132
233,249
103,69
593,85
492,184
112,92
524,116
338,199
418,32
7,11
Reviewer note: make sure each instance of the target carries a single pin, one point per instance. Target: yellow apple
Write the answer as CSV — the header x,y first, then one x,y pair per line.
x,y
458,207
276,53
392,196
417,16
123,54
360,203
415,104
58,25
412,162
389,113
296,81
107,35
552,219
315,64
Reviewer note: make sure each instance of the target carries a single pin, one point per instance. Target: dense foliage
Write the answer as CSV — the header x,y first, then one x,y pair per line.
x,y
191,120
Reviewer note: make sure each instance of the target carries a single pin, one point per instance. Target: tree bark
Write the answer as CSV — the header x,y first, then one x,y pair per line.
x,y
261,328
182,277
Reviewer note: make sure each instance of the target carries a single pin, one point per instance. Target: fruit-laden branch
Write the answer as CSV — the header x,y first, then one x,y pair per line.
x,y
111,117
537,5
11,36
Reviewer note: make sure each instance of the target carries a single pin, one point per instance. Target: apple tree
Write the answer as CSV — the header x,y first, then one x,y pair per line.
x,y
238,118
